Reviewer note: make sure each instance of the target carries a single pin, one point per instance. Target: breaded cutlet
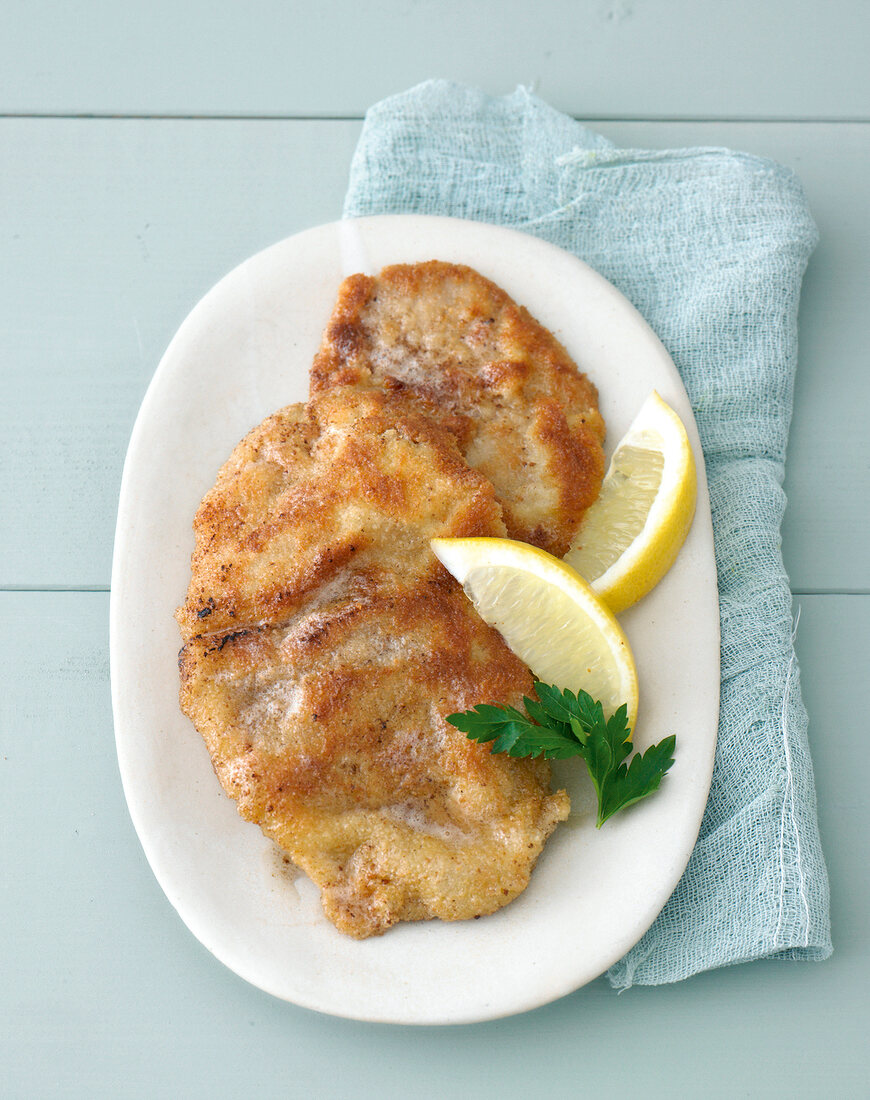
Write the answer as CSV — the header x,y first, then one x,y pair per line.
x,y
450,344
324,646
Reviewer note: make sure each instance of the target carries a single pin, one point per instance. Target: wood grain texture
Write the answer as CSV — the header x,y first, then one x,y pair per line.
x,y
105,993
112,229
592,58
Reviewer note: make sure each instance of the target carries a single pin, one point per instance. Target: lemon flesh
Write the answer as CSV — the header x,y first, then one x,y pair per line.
x,y
548,615
631,535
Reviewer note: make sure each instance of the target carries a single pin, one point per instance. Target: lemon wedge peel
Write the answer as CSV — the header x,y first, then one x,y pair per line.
x,y
631,535
548,615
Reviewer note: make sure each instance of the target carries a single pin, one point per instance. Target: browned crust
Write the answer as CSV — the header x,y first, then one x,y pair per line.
x,y
390,810
281,498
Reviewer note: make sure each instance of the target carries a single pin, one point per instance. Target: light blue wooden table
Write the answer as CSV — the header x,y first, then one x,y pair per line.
x,y
145,151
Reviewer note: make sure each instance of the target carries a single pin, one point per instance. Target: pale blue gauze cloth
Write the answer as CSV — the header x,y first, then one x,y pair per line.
x,y
710,245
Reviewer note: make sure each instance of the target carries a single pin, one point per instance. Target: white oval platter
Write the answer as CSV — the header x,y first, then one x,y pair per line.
x,y
244,352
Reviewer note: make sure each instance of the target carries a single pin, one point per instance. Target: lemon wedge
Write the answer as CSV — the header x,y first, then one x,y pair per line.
x,y
631,535
547,614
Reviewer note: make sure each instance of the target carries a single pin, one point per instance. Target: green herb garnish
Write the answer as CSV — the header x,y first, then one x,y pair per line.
x,y
560,724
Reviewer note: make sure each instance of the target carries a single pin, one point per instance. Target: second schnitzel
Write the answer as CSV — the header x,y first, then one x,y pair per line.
x,y
452,345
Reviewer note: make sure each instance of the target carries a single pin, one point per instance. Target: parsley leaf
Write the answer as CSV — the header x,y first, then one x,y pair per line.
x,y
512,732
559,724
642,776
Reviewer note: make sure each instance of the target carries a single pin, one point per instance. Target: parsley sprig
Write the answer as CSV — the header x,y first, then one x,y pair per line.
x,y
560,724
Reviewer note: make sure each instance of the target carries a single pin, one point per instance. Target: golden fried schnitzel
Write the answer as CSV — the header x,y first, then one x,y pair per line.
x,y
324,646
453,346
